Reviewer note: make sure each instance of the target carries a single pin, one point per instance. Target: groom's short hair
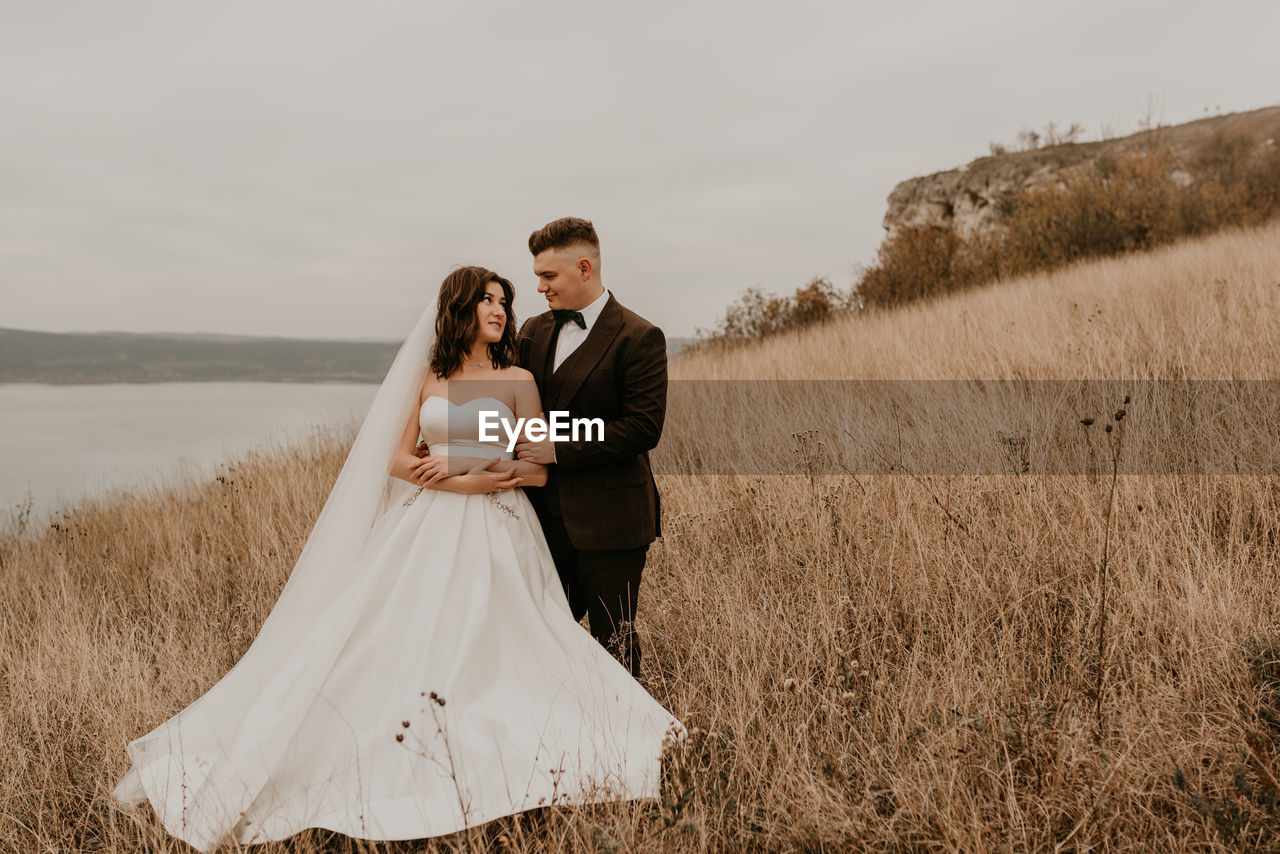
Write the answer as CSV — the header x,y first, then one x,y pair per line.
x,y
563,232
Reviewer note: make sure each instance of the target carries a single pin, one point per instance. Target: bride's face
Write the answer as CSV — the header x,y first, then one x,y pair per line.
x,y
491,314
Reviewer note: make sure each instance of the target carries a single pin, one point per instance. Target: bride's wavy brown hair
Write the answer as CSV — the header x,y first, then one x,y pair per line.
x,y
456,325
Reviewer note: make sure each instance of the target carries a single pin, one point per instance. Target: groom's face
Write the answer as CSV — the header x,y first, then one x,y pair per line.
x,y
564,277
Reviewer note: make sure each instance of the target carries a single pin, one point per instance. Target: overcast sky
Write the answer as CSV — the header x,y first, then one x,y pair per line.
x,y
315,168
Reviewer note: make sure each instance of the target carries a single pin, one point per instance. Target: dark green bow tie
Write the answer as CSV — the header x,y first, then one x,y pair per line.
x,y
563,315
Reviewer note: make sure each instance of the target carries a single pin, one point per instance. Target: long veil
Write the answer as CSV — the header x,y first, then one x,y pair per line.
x,y
203,767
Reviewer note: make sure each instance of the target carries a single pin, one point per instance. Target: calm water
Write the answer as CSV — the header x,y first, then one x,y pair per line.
x,y
62,442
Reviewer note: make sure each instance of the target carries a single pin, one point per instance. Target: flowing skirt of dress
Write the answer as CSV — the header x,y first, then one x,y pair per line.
x,y
448,686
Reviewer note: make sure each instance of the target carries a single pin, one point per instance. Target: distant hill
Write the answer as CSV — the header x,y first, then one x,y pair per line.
x,y
107,357
127,357
676,346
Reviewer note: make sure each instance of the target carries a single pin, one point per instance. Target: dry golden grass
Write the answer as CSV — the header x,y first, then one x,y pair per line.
x,y
876,663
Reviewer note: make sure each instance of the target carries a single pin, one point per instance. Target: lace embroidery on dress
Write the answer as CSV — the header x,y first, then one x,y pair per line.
x,y
492,496
501,505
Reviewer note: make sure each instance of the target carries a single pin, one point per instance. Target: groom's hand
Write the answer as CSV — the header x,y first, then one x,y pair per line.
x,y
421,451
543,453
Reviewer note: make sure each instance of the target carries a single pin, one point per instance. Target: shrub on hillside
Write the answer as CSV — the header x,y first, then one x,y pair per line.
x,y
1242,176
1103,208
757,315
921,261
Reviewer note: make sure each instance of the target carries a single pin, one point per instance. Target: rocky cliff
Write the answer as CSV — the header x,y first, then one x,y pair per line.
x,y
966,198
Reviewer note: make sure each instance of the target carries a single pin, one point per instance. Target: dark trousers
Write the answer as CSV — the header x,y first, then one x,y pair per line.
x,y
603,586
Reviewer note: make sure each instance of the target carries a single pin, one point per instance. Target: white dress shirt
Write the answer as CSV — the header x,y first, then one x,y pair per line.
x,y
572,335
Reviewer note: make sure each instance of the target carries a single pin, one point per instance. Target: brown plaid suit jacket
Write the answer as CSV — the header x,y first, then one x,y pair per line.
x,y
603,490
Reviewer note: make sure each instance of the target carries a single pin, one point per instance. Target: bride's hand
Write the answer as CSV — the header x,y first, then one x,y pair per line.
x,y
489,480
479,479
478,484
426,471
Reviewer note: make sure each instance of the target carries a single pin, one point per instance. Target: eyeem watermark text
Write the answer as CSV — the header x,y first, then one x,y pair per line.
x,y
560,428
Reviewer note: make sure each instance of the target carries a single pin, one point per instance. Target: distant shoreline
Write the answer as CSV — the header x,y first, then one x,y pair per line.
x,y
77,358
317,380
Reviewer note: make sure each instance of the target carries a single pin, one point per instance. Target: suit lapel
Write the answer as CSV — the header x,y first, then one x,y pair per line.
x,y
573,373
539,346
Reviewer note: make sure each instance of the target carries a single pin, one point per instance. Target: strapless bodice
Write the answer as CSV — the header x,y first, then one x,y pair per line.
x,y
453,429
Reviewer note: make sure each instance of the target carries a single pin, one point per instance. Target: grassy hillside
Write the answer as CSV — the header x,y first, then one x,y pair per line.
x,y
1198,309
897,663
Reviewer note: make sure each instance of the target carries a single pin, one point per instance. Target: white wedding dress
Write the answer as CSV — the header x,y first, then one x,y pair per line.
x,y
447,686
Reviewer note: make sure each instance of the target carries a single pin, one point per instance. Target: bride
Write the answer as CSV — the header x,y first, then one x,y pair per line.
x,y
421,671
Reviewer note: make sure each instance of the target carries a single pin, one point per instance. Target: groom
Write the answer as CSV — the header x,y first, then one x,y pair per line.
x,y
590,356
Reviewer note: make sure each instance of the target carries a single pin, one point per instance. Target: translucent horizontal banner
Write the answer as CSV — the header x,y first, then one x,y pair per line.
x,y
1013,427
